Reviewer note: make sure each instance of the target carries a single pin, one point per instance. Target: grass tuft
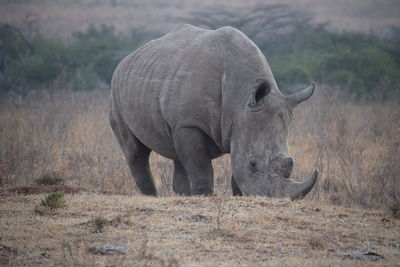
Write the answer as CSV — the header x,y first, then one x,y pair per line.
x,y
54,200
317,242
395,209
98,224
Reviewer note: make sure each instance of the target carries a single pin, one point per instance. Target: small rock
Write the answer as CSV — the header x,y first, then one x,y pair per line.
x,y
6,254
107,249
194,218
362,255
199,218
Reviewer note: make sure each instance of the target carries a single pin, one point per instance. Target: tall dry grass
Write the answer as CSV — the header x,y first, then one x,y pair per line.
x,y
66,135
354,144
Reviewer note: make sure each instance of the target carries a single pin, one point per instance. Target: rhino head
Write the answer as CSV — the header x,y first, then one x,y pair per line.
x,y
260,161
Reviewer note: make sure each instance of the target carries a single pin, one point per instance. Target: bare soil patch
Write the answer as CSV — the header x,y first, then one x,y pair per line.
x,y
188,231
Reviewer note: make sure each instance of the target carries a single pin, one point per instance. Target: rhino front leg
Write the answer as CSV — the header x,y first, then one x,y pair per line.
x,y
180,180
235,189
192,149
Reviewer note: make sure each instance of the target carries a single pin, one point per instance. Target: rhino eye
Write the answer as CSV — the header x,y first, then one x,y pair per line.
x,y
253,166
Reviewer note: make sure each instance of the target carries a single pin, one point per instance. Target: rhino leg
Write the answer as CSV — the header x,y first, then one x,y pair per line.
x,y
180,181
136,154
140,169
192,149
235,189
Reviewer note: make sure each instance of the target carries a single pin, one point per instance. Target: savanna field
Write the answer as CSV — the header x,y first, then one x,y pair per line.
x,y
55,137
64,138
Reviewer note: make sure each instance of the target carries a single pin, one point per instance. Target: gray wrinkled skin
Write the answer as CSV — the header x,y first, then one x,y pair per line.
x,y
193,95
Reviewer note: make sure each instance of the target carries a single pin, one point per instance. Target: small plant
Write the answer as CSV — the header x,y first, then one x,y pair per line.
x,y
98,224
395,209
54,200
317,242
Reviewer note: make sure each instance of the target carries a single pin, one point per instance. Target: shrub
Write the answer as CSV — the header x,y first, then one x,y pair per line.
x,y
360,71
54,200
85,62
357,63
360,64
98,224
395,209
39,67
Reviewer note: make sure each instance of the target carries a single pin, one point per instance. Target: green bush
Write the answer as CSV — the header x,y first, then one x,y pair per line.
x,y
96,50
89,59
360,64
54,200
360,71
40,66
98,224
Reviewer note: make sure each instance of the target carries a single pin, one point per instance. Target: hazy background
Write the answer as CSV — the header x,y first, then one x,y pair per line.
x,y
61,18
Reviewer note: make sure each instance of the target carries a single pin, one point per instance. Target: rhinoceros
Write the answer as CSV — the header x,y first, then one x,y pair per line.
x,y
196,94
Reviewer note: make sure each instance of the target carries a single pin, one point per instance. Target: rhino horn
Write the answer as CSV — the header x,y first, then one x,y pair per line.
x,y
296,190
302,95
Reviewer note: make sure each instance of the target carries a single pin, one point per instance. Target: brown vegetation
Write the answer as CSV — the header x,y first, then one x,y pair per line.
x,y
64,137
62,140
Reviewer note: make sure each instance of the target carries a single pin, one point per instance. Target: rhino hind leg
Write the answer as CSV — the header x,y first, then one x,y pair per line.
x,y
235,188
180,180
136,154
192,149
140,169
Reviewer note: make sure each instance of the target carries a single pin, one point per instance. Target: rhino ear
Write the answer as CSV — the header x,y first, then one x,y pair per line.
x,y
262,89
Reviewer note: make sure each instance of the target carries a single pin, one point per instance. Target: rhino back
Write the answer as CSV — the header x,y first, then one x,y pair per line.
x,y
174,82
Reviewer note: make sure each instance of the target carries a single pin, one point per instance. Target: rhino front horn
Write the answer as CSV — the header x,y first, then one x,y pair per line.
x,y
296,190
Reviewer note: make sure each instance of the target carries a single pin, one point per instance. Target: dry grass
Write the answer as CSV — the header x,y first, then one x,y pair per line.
x,y
57,18
65,137
355,145
63,140
62,135
178,231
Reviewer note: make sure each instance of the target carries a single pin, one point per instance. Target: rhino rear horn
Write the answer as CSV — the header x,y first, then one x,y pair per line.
x,y
301,95
296,190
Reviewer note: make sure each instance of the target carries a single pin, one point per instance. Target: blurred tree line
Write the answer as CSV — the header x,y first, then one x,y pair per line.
x,y
297,49
87,62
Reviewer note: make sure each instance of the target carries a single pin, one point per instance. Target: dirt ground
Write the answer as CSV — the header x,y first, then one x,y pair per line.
x,y
193,231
